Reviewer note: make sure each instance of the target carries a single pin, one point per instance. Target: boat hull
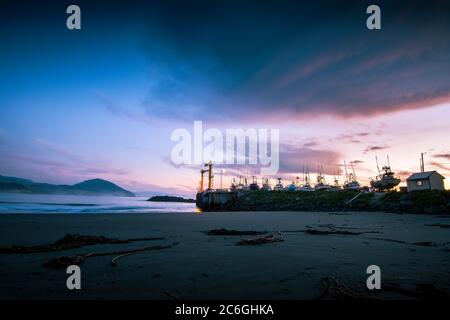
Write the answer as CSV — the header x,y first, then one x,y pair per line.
x,y
383,185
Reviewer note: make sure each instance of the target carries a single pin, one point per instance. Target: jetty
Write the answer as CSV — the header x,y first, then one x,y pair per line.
x,y
295,198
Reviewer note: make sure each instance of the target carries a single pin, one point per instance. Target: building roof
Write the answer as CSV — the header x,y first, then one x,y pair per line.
x,y
422,175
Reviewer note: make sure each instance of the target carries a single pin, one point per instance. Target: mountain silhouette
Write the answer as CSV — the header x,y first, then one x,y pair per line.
x,y
88,187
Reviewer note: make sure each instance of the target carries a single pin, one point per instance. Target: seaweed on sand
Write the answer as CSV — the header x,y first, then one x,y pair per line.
x,y
227,232
65,261
70,241
260,240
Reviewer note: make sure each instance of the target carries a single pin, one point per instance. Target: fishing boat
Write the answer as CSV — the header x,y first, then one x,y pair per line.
x,y
266,185
306,185
233,184
245,186
351,182
254,185
291,187
279,185
385,180
306,188
321,184
336,186
240,185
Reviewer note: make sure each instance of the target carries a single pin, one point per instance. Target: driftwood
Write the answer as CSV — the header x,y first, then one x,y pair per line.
x,y
340,291
260,240
130,252
226,232
65,261
70,241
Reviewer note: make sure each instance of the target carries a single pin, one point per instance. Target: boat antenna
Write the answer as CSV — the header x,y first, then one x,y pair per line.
x,y
346,174
353,169
307,174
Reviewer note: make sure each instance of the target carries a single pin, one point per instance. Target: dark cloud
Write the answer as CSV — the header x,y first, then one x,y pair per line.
x,y
375,148
353,137
251,60
442,156
311,143
439,165
254,59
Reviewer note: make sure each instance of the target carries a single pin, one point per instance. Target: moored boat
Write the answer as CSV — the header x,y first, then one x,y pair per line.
x,y
385,180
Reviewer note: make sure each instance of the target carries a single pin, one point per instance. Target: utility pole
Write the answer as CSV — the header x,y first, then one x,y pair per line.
x,y
210,174
202,172
422,164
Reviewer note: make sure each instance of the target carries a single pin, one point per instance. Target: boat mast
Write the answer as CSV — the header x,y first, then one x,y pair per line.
x,y
319,177
307,175
353,170
202,173
378,167
304,175
346,173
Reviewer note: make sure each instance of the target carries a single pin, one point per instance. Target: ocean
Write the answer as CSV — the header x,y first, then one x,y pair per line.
x,y
72,204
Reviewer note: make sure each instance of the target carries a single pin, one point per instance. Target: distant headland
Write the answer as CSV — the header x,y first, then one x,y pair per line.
x,y
94,187
170,199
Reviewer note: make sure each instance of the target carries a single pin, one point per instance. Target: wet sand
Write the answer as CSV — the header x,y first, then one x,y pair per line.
x,y
213,267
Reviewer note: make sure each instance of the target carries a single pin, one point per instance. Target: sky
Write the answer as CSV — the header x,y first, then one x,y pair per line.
x,y
102,102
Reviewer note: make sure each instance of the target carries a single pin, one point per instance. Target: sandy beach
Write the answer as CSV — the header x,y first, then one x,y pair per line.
x,y
411,250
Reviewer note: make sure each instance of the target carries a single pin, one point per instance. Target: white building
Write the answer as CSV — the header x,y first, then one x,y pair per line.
x,y
428,180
